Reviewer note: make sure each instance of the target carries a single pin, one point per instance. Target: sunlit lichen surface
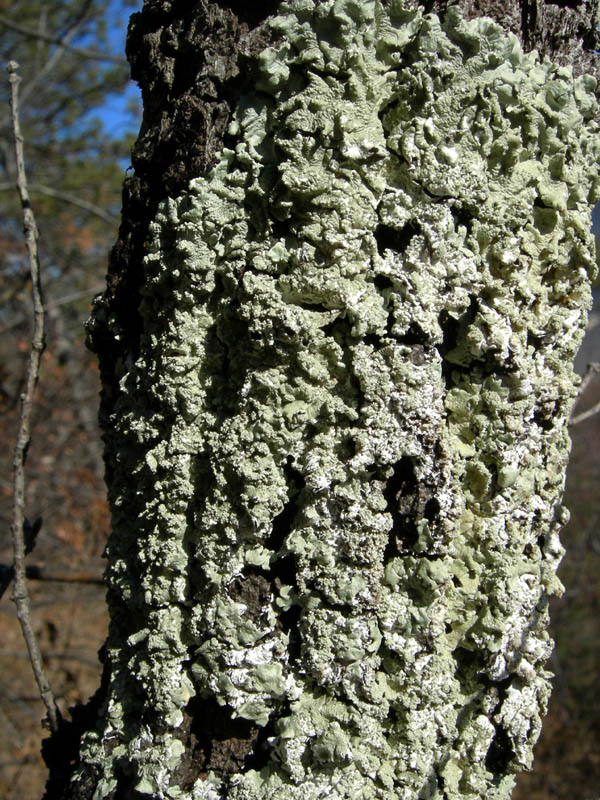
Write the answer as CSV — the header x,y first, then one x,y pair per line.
x,y
337,463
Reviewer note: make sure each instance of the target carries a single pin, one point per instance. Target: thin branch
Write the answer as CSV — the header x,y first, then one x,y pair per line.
x,y
585,415
592,370
59,40
35,572
42,27
52,304
51,62
20,594
70,298
62,47
67,656
58,53
67,197
39,573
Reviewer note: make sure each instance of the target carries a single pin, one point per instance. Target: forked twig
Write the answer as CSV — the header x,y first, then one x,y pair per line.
x,y
20,594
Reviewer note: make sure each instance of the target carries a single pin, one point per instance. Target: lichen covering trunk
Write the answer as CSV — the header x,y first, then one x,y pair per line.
x,y
337,453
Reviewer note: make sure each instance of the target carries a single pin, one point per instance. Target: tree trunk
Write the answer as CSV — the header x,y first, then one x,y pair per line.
x,y
336,347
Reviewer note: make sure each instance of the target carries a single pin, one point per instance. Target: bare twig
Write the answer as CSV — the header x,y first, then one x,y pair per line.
x,y
67,197
592,370
51,305
39,573
70,298
51,62
67,656
585,415
34,572
62,42
59,40
20,594
55,57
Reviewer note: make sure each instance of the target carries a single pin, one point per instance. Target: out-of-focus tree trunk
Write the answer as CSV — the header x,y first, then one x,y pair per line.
x,y
336,346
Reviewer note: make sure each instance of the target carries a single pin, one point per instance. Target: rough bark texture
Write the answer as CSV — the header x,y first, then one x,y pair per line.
x,y
336,351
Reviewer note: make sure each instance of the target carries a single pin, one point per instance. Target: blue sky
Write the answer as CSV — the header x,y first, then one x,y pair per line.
x,y
116,115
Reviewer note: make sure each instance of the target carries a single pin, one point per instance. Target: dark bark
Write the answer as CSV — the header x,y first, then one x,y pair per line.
x,y
193,61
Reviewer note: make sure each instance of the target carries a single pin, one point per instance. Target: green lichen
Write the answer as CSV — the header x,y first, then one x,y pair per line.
x,y
356,360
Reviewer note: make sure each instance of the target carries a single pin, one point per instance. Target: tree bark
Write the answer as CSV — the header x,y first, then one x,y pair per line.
x,y
336,347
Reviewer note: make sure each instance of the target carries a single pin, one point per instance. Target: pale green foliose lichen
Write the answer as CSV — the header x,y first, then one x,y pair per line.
x,y
354,381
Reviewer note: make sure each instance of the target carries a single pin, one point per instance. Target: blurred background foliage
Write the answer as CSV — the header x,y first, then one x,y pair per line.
x,y
78,134
75,169
78,131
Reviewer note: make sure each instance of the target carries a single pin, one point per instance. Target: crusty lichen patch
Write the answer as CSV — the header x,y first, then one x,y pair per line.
x,y
337,463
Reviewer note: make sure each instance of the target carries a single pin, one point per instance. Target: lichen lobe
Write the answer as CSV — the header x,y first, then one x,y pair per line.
x,y
348,418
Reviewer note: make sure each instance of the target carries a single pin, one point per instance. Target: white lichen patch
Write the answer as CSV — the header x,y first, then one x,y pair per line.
x,y
345,430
